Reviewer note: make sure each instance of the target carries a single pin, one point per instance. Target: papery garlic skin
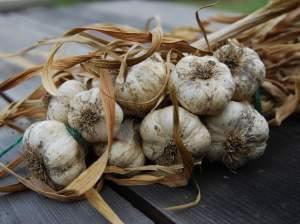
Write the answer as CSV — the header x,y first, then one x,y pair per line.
x,y
52,153
238,134
86,115
126,150
246,67
143,82
58,105
157,133
203,85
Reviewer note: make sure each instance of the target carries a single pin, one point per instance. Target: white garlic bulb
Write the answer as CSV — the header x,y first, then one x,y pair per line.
x,y
126,150
143,82
238,134
246,67
203,85
157,135
86,115
52,154
58,105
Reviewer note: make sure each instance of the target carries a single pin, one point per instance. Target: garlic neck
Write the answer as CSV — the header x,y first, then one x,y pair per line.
x,y
231,55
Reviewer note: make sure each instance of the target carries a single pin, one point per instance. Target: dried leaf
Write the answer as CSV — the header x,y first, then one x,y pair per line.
x,y
140,179
190,204
17,187
12,165
270,11
289,106
99,203
185,154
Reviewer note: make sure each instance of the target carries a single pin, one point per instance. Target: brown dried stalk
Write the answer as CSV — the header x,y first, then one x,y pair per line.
x,y
273,9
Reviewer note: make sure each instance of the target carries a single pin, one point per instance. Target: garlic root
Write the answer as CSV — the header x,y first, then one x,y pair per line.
x,y
86,115
157,135
238,134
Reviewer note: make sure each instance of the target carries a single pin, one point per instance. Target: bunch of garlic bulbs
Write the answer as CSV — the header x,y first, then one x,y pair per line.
x,y
51,150
216,119
209,86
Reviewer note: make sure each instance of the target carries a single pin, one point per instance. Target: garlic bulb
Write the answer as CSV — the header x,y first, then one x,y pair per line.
x,y
86,115
238,134
126,150
58,105
52,154
203,85
246,67
157,135
143,82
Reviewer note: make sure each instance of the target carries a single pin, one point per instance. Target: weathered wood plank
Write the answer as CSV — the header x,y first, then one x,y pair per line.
x,y
78,15
31,31
264,191
2,102
133,13
171,14
28,207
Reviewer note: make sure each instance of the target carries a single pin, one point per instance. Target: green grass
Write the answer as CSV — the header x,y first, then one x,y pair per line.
x,y
65,2
243,6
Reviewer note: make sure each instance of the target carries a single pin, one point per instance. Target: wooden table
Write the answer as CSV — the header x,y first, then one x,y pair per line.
x,y
264,191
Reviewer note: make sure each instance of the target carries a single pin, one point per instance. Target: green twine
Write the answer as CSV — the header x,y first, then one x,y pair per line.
x,y
88,147
4,151
77,136
257,101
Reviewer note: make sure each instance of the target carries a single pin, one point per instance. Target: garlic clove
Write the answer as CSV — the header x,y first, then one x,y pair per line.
x,y
143,82
203,85
52,154
238,134
58,105
126,150
157,135
246,67
86,115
